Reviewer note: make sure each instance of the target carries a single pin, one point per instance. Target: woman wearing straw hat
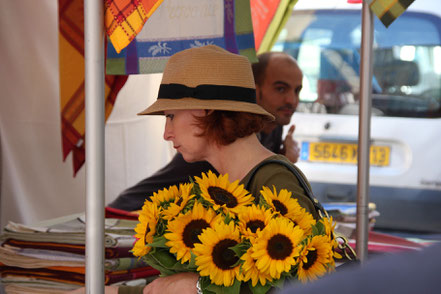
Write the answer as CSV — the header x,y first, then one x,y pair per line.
x,y
208,97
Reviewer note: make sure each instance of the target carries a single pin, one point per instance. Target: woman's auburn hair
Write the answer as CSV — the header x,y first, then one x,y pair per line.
x,y
225,127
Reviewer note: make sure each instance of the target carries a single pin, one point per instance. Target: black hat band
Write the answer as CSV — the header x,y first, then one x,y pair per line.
x,y
207,92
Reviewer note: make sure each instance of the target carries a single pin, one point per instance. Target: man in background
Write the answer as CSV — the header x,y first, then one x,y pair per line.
x,y
278,83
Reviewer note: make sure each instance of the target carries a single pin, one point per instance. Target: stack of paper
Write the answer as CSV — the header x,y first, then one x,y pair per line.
x,y
345,215
50,257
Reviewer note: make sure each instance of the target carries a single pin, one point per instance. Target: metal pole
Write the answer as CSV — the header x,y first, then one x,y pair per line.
x,y
367,28
94,90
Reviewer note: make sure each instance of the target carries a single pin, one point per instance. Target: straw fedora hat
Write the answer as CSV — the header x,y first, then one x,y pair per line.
x,y
207,77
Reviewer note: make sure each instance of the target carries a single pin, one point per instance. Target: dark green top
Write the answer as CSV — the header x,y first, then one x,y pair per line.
x,y
281,177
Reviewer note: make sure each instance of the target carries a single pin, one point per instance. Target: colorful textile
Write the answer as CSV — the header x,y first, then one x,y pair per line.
x,y
111,212
37,258
269,17
109,252
181,24
71,57
388,10
74,275
124,19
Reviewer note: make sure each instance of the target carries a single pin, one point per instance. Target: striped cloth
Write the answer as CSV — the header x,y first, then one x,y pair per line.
x,y
388,10
124,19
71,58
181,24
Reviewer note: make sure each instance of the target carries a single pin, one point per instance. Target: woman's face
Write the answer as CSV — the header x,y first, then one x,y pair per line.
x,y
181,130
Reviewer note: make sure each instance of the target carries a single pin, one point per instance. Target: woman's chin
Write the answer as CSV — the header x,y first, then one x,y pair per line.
x,y
189,158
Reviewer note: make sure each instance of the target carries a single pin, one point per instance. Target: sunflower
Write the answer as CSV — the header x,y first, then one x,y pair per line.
x,y
146,228
303,219
180,201
164,197
314,257
283,203
276,247
214,257
253,219
250,270
329,231
231,197
185,230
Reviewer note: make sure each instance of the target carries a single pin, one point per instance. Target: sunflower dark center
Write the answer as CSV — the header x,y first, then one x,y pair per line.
x,y
192,231
279,247
221,196
147,231
255,224
311,257
223,257
178,203
280,207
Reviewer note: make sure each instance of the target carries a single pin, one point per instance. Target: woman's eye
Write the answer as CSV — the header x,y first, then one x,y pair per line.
x,y
170,116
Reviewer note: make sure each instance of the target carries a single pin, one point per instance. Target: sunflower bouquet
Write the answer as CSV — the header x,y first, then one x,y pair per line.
x,y
215,228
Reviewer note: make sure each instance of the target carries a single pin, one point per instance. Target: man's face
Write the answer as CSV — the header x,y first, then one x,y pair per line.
x,y
279,92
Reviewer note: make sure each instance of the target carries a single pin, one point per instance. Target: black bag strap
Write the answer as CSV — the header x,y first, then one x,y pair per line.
x,y
318,207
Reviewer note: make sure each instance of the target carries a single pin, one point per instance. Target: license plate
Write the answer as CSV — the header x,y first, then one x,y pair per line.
x,y
345,153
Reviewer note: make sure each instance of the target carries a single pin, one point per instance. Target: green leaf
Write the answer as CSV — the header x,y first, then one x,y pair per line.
x,y
321,228
159,242
179,267
279,283
150,260
315,230
192,263
259,289
241,248
229,218
164,258
233,289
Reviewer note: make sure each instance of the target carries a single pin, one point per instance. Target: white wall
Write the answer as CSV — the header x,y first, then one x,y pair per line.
x,y
35,183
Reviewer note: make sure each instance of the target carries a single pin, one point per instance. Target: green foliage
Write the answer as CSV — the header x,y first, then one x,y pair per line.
x,y
259,289
159,242
241,248
212,288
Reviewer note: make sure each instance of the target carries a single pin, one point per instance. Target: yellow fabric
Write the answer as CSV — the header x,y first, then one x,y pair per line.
x,y
124,19
72,95
388,10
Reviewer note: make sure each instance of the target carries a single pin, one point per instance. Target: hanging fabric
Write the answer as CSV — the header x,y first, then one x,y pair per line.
x,y
179,24
71,64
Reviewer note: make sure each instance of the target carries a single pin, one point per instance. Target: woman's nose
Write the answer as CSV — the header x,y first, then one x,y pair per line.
x,y
167,132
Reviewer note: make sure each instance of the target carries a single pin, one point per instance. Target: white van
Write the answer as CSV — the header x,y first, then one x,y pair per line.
x,y
405,173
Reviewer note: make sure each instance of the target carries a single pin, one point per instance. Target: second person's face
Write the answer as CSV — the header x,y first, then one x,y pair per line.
x,y
181,130
279,92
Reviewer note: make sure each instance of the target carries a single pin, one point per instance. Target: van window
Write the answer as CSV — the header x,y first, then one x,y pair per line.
x,y
406,63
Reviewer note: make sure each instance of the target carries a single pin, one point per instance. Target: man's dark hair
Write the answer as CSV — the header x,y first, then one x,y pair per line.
x,y
260,67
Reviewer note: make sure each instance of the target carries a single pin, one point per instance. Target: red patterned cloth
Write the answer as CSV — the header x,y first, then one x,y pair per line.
x,y
124,19
71,57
